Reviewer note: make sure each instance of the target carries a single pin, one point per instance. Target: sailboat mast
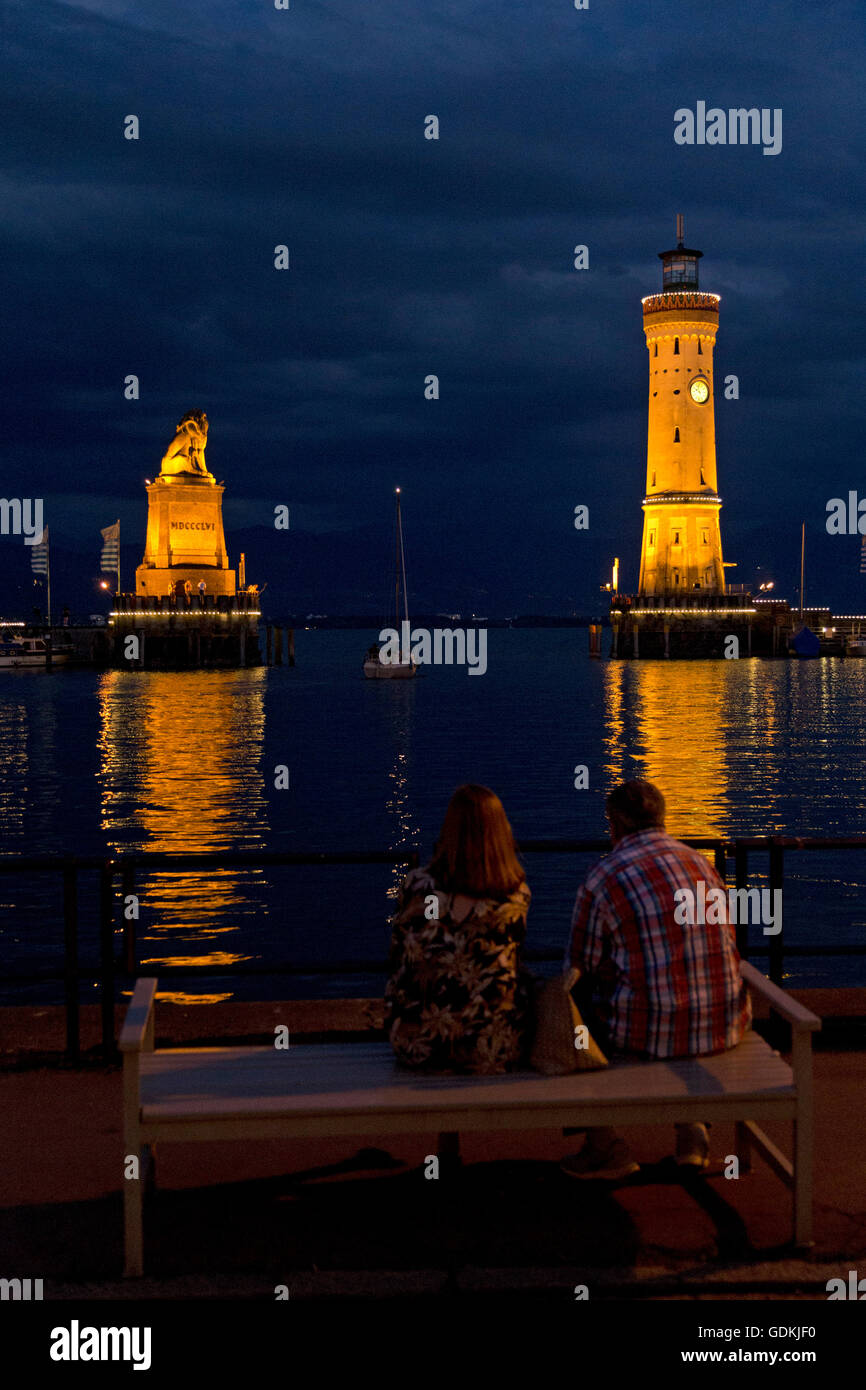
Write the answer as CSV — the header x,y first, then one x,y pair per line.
x,y
397,549
402,560
802,568
380,662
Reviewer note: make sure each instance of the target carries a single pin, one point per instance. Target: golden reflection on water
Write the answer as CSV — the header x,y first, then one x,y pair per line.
x,y
179,771
670,722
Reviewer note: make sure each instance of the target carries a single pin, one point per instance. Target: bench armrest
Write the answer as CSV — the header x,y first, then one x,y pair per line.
x,y
800,1018
137,1032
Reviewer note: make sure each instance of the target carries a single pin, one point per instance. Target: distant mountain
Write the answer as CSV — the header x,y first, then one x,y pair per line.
x,y
505,567
345,572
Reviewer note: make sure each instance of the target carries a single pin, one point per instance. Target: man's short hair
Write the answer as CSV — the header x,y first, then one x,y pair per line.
x,y
637,805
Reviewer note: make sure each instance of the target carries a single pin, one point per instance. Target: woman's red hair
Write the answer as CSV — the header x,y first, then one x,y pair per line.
x,y
475,853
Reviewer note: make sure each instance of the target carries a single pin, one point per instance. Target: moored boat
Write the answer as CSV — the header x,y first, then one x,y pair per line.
x,y
18,651
377,669
804,643
378,665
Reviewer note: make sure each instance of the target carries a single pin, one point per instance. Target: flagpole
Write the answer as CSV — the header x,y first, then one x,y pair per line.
x,y
118,554
48,580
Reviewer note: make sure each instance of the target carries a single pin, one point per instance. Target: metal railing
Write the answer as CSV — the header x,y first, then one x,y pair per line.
x,y
243,601
127,867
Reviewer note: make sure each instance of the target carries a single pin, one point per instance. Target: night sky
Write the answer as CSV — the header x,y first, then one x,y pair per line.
x,y
412,256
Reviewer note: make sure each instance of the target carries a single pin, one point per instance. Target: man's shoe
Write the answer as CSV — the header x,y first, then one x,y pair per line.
x,y
612,1164
693,1147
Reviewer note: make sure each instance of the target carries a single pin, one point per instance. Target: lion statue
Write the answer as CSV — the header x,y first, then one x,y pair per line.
x,y
185,453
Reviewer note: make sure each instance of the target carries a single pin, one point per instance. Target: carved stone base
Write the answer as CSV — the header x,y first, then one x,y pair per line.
x,y
185,539
158,582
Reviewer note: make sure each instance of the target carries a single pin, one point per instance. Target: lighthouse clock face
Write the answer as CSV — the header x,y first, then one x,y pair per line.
x,y
699,390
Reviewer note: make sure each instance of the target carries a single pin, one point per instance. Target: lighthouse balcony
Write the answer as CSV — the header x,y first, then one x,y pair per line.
x,y
676,499
679,299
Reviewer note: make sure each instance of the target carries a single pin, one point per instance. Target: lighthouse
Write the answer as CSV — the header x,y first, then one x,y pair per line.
x,y
681,550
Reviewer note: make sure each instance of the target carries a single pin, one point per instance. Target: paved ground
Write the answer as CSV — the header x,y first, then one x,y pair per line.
x,y
330,1220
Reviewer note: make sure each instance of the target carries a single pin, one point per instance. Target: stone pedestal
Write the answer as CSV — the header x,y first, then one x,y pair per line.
x,y
185,539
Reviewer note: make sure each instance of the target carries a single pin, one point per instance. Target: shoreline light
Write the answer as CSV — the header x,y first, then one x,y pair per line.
x,y
683,612
146,613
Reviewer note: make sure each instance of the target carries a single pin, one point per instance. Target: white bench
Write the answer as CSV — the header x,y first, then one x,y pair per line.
x,y
355,1089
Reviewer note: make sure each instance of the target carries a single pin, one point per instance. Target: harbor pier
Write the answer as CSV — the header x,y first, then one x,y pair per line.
x,y
178,632
668,626
652,627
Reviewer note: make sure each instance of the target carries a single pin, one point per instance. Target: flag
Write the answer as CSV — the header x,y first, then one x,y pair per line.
x,y
39,555
110,548
863,556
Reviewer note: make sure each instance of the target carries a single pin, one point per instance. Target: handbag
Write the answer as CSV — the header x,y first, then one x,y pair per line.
x,y
562,1041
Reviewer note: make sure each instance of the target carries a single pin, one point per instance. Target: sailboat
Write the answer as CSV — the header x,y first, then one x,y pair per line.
x,y
401,669
804,642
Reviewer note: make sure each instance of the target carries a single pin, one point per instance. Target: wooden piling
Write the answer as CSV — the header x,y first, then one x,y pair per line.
x,y
278,646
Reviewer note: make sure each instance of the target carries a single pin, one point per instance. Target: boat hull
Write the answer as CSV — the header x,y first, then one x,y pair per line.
x,y
9,663
804,644
386,671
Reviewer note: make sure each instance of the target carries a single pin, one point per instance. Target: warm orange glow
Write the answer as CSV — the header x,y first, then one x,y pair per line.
x,y
667,722
180,771
681,550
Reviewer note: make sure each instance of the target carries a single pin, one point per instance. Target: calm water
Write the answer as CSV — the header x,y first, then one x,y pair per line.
x,y
93,762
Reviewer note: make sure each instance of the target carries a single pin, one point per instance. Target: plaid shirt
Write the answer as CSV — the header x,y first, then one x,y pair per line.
x,y
661,989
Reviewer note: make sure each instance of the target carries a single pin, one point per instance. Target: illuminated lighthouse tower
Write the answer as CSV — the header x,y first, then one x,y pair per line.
x,y
681,552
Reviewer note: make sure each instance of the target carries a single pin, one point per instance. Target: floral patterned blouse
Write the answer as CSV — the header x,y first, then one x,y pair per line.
x,y
458,999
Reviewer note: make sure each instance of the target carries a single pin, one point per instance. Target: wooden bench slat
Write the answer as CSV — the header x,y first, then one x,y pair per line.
x,y
348,1078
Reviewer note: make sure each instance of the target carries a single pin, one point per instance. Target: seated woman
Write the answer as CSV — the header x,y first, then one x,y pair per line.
x,y
457,999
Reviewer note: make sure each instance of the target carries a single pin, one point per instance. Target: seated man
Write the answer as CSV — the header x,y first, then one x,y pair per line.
x,y
653,987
